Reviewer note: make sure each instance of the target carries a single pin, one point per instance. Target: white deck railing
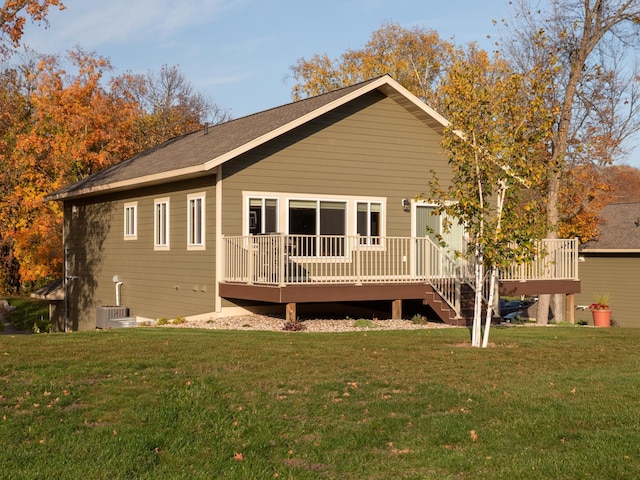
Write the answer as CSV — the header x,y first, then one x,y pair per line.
x,y
556,259
281,260
337,259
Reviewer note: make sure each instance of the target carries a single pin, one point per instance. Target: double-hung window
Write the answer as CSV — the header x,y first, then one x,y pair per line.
x,y
263,215
195,221
368,219
131,221
161,224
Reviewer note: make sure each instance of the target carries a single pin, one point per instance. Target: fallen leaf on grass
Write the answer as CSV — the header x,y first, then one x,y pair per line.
x,y
238,457
473,435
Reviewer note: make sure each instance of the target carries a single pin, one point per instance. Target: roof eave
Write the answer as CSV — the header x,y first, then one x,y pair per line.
x,y
138,182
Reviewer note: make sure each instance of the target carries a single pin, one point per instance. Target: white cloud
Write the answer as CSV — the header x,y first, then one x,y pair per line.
x,y
95,23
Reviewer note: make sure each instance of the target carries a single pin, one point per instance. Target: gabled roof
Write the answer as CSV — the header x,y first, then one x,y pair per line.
x,y
196,153
620,229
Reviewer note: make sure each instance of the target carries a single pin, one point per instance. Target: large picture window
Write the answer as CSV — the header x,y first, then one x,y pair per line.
x,y
195,220
316,226
313,220
161,224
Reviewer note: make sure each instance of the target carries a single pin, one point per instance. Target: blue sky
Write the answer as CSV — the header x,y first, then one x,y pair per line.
x,y
238,52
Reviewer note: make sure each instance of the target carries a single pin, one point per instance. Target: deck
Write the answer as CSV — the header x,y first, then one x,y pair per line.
x,y
292,269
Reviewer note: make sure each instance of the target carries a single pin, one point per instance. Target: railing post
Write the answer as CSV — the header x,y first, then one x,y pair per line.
x,y
282,260
427,259
251,260
357,261
576,259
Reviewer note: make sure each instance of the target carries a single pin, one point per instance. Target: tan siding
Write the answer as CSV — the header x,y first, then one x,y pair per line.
x,y
617,275
372,147
156,283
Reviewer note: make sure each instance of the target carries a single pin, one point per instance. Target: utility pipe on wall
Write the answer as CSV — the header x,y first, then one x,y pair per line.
x,y
118,288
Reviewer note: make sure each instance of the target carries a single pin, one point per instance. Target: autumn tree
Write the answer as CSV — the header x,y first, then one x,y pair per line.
x,y
492,141
415,57
586,45
73,128
14,14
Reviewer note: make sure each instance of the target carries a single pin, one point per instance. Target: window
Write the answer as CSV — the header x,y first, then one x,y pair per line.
x,y
195,220
131,221
368,219
161,224
263,215
309,218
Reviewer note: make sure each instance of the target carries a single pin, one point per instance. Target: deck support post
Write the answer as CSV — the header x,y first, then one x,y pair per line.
x,y
570,308
291,313
396,310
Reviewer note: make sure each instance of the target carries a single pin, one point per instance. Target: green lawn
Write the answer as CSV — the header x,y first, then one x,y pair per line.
x,y
155,403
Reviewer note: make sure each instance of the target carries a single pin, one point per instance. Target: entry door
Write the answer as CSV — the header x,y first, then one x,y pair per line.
x,y
427,223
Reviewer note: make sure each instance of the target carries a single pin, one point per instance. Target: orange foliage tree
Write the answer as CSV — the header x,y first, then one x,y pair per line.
x,y
13,15
76,128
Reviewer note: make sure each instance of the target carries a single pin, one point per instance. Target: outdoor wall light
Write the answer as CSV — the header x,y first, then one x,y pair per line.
x,y
406,204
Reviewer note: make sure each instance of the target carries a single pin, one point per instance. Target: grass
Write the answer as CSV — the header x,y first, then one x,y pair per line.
x,y
154,403
29,315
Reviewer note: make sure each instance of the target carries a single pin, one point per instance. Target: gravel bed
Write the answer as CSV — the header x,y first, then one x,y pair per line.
x,y
275,323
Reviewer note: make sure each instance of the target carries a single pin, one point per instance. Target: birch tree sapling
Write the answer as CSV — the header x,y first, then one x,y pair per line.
x,y
492,134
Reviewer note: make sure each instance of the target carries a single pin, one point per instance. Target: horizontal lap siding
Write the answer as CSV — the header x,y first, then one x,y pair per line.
x,y
178,282
370,147
617,275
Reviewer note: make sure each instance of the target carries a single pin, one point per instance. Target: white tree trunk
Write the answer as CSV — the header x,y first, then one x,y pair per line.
x,y
476,330
492,288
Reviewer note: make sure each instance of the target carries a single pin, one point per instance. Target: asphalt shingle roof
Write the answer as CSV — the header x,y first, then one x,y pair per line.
x,y
620,228
195,149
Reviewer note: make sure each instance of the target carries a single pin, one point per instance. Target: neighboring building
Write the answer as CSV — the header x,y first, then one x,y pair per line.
x,y
308,202
611,265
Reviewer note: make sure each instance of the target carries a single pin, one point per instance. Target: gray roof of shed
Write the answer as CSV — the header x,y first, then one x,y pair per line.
x,y
619,231
199,152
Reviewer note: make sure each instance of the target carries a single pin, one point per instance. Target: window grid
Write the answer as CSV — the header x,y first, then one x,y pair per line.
x,y
161,224
130,221
195,215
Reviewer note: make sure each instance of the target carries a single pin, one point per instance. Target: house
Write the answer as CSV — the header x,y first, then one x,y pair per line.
x,y
311,202
611,265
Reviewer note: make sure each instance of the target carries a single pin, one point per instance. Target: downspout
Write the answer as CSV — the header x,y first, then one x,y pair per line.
x,y
118,289
219,241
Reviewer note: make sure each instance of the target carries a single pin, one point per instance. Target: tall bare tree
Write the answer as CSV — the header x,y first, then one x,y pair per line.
x,y
589,47
170,103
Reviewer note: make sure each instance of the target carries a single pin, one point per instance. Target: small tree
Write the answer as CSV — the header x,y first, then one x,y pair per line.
x,y
493,132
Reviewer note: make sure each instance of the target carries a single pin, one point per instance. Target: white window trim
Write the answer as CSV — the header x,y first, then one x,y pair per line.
x,y
132,207
383,217
191,245
351,213
247,207
166,245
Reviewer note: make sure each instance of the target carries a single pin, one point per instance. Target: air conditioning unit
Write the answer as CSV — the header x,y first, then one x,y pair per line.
x,y
104,313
